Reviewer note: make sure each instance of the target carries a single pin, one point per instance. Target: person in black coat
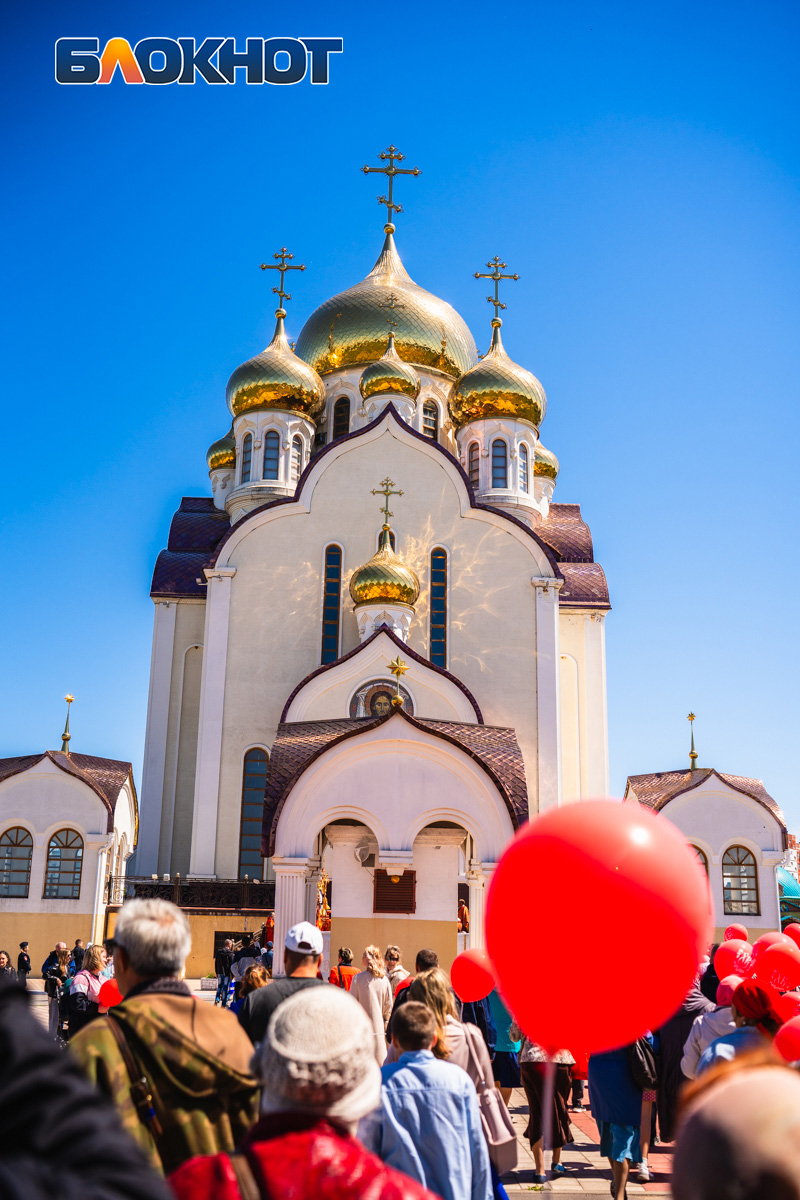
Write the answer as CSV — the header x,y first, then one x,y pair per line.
x,y
23,964
58,1136
671,1039
7,972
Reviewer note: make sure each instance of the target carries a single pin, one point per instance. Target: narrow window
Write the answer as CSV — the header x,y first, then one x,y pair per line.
x,y
474,464
701,858
341,417
523,468
297,457
247,457
438,635
499,464
331,604
739,882
254,781
430,420
64,860
272,449
16,848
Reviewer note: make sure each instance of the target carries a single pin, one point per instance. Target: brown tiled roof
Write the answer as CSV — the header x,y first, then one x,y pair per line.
x,y
584,586
657,789
105,776
298,744
196,530
567,533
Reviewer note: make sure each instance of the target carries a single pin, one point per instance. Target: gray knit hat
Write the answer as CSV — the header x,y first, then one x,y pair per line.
x,y
319,1056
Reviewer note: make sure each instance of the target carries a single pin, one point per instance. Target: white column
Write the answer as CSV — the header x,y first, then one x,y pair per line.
x,y
477,903
548,699
99,905
209,733
155,743
290,902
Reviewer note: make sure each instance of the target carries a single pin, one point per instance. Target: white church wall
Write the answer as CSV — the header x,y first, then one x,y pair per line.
x,y
584,729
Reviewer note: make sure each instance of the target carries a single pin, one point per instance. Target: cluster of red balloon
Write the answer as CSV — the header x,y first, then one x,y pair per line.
x,y
774,961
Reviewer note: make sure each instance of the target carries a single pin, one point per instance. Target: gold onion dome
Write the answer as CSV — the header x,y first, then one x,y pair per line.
x,y
497,387
385,578
389,376
544,462
276,378
351,327
221,455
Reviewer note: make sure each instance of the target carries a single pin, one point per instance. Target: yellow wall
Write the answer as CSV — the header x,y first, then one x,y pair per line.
x,y
410,936
42,930
203,926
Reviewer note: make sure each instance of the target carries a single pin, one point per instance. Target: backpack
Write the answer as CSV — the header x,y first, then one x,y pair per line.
x,y
642,1063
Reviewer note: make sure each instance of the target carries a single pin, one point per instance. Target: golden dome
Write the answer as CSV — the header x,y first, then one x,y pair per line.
x,y
544,462
221,455
276,378
497,387
389,376
351,327
385,578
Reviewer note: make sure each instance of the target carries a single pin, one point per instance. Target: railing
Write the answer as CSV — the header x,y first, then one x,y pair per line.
x,y
228,895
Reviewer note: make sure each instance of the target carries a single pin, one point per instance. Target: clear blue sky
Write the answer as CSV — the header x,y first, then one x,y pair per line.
x,y
637,164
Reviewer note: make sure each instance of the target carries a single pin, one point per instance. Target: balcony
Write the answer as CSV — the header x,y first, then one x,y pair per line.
x,y
195,895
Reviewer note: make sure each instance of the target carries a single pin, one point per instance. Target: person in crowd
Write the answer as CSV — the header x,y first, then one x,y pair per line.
x,y
23,964
740,1133
176,1069
267,957
616,1102
532,1065
222,970
649,1097
84,993
463,917
59,1138
709,979
77,955
7,972
671,1039
426,960
343,974
52,958
428,1125
580,1074
248,955
707,1027
372,990
254,978
395,971
319,1077
55,978
755,1021
456,1042
302,956
505,1061
479,1012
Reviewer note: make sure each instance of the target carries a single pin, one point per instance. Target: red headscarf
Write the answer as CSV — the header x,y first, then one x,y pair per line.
x,y
754,1003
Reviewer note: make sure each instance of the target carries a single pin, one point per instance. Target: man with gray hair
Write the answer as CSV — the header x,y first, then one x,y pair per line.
x,y
176,1069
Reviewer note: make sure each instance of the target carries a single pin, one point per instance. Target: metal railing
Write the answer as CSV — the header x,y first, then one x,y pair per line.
x,y
223,895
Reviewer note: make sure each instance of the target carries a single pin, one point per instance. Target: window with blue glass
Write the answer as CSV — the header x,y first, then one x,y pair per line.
x,y
331,604
438,634
499,464
272,449
254,781
247,457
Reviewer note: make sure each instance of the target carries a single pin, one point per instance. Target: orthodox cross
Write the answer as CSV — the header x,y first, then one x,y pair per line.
x,y
283,266
496,269
392,155
386,490
66,736
692,753
392,303
397,668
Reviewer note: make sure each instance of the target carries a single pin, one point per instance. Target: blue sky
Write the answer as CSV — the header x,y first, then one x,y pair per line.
x,y
636,164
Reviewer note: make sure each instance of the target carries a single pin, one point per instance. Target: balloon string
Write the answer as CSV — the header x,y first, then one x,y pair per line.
x,y
548,1103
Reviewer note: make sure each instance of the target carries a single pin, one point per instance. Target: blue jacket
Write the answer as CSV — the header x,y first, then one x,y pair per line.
x,y
502,1019
428,1126
738,1041
614,1095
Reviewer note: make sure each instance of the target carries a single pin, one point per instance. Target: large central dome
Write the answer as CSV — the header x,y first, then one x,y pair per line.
x,y
352,327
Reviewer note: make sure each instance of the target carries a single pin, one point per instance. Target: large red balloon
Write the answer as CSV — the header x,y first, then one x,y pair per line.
x,y
733,958
650,919
773,938
471,975
787,1040
736,931
110,995
787,1006
793,931
779,965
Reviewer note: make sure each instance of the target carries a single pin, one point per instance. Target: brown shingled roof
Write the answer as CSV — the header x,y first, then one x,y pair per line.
x,y
657,789
196,530
105,776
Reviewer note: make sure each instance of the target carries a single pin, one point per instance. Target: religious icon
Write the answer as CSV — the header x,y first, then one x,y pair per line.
x,y
374,699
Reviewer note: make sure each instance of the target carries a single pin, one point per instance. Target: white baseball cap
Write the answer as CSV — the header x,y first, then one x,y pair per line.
x,y
304,938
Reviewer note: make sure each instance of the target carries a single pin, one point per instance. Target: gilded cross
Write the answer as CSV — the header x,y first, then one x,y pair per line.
x,y
386,490
391,155
392,303
283,266
496,269
398,667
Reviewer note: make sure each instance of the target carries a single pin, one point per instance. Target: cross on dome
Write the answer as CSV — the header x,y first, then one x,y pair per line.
x,y
283,266
391,303
392,155
386,490
496,268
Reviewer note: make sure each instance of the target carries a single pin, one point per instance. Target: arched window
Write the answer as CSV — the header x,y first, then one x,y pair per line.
x,y
16,848
254,781
247,457
430,420
438,634
499,464
739,882
523,468
297,457
331,602
341,417
62,879
272,449
474,464
701,858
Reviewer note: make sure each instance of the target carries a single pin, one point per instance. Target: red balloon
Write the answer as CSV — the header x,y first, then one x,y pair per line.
x,y
471,975
793,931
779,965
787,1006
110,994
733,958
772,938
787,1040
640,875
736,931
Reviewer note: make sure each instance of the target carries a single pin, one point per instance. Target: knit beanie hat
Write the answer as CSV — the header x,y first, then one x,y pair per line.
x,y
319,1056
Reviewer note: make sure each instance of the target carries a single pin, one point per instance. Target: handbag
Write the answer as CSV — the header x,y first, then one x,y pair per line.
x,y
642,1063
496,1123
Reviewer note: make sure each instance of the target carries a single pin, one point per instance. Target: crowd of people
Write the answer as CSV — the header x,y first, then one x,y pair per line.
x,y
375,1080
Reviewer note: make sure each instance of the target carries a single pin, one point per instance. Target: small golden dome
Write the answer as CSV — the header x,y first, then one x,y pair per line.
x,y
389,376
276,378
497,387
544,462
385,578
351,327
221,455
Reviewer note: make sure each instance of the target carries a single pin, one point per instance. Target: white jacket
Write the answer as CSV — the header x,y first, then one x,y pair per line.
x,y
706,1029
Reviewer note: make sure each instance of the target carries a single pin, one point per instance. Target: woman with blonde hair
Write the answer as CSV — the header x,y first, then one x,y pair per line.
x,y
456,1041
84,993
372,990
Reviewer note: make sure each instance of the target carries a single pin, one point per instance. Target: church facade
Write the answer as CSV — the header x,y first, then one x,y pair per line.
x,y
379,642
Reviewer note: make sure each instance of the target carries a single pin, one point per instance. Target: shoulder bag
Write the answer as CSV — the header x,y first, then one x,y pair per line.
x,y
642,1063
498,1128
